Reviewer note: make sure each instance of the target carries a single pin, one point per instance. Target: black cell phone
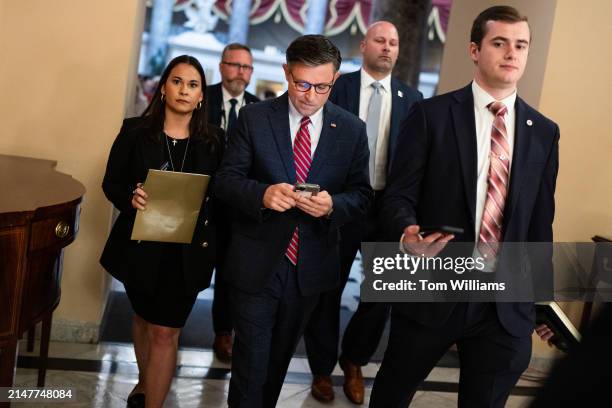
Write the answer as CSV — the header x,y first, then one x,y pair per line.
x,y
307,189
445,229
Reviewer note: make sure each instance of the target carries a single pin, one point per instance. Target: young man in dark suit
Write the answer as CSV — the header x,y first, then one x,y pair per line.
x,y
283,251
381,101
225,100
481,159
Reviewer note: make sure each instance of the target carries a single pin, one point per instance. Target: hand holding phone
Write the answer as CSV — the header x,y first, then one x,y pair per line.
x,y
418,242
279,197
316,204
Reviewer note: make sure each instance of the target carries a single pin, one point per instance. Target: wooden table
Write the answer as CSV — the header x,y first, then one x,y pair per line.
x,y
39,214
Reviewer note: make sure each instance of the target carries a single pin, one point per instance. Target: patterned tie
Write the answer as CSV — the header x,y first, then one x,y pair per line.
x,y
497,190
372,124
302,159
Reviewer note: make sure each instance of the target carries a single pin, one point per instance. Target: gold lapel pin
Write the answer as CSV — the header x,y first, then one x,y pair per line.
x,y
529,122
333,125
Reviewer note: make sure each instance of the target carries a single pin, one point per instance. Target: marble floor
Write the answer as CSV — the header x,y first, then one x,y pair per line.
x,y
102,375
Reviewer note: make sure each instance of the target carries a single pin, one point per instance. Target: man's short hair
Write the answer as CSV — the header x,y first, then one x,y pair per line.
x,y
235,46
313,50
506,14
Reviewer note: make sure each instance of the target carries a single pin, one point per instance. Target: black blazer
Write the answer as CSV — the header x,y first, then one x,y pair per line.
x,y
433,182
214,98
132,262
347,89
260,154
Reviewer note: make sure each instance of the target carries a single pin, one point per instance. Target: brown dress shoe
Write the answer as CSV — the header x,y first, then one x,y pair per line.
x,y
322,388
353,381
223,347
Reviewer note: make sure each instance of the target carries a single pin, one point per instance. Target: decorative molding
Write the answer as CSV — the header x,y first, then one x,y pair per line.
x,y
434,26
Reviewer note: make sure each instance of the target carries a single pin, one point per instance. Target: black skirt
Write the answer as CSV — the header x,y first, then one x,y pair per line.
x,y
169,304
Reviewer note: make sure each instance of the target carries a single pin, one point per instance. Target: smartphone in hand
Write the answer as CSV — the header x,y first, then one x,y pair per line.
x,y
444,229
307,190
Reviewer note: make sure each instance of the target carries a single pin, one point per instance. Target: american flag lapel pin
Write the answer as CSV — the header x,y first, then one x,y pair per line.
x,y
333,125
400,94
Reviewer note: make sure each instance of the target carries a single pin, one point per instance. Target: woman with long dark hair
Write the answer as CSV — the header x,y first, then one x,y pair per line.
x,y
162,280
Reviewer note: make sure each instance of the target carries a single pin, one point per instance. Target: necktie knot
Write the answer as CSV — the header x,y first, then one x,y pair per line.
x,y
497,108
233,102
305,121
377,86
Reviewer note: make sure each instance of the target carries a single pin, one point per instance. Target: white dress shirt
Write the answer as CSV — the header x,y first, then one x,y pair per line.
x,y
366,90
314,129
227,105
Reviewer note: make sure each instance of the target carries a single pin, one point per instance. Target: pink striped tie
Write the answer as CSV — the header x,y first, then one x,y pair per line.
x,y
302,159
497,190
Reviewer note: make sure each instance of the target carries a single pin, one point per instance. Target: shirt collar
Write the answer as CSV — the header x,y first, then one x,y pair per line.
x,y
482,98
296,116
366,81
227,96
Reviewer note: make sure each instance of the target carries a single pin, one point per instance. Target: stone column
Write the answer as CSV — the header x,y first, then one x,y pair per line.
x,y
239,21
161,20
410,18
315,19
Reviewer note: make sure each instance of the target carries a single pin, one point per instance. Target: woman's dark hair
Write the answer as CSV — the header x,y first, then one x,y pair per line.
x,y
155,113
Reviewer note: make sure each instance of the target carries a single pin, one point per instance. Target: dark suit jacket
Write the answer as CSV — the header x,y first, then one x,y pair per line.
x,y
135,263
433,182
214,98
346,91
260,154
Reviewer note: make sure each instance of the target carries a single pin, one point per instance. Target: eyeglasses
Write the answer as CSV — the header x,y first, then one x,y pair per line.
x,y
304,86
237,66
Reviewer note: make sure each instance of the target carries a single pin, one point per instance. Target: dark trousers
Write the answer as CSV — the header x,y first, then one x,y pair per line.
x,y
365,328
491,360
268,326
221,311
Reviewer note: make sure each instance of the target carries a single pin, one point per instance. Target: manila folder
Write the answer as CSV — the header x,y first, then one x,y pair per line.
x,y
173,205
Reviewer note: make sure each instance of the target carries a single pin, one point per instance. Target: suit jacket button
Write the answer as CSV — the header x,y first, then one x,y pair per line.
x,y
204,244
205,223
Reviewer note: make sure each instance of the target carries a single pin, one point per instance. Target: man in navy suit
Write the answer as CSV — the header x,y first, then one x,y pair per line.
x,y
449,170
356,93
283,250
225,100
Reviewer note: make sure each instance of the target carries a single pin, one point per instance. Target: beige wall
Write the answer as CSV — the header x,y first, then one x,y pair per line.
x,y
576,93
63,79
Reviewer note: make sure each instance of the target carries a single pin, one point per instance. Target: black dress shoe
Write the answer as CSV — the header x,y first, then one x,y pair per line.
x,y
136,400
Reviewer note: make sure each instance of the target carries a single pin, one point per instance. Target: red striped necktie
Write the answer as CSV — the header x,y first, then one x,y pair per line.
x,y
302,160
497,190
